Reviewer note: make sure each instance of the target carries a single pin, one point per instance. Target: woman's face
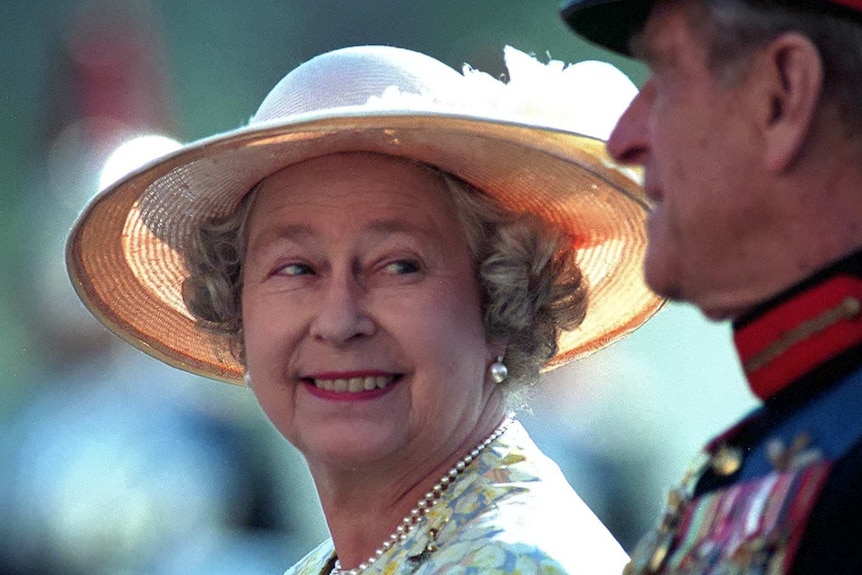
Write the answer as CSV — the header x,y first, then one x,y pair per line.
x,y
361,311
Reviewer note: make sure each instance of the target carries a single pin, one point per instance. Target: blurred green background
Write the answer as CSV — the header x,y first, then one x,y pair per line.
x,y
113,463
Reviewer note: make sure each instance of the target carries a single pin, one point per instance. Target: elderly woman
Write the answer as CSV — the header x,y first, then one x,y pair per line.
x,y
388,255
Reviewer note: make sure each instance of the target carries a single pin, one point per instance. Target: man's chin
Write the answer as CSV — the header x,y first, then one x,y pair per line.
x,y
660,279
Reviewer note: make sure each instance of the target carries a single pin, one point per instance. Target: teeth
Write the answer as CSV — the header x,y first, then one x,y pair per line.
x,y
353,384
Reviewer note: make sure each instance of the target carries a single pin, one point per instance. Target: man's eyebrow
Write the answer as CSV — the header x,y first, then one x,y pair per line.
x,y
643,50
637,46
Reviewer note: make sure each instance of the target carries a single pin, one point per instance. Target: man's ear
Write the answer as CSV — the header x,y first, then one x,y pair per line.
x,y
792,71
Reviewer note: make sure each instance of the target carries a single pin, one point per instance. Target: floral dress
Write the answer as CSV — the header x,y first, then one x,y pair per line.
x,y
511,511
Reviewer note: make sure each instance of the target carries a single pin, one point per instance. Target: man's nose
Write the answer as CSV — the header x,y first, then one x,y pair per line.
x,y
628,142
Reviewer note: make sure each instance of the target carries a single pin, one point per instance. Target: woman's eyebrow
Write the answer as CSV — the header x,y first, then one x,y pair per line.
x,y
393,226
297,233
272,234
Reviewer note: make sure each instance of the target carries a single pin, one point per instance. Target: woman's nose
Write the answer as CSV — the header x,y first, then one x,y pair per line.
x,y
341,315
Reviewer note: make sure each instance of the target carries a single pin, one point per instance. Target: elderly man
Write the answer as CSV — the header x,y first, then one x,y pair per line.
x,y
749,131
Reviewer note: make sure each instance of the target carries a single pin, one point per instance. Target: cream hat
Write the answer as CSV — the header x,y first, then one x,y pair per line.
x,y
515,141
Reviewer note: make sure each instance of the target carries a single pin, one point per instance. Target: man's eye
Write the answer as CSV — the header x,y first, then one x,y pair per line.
x,y
403,267
294,270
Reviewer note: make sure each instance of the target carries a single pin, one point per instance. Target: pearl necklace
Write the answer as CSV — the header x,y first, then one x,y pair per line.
x,y
418,513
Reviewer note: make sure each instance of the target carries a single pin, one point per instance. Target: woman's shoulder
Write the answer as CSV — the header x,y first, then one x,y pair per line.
x,y
492,558
532,540
515,512
500,555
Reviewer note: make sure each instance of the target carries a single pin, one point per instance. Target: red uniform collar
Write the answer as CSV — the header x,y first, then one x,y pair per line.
x,y
787,339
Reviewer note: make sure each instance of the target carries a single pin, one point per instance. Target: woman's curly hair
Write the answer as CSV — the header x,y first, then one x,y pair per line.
x,y
531,284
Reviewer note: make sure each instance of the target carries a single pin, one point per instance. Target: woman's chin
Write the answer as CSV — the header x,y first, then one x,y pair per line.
x,y
351,445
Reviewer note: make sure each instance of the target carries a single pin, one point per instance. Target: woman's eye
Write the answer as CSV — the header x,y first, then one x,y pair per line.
x,y
294,270
403,267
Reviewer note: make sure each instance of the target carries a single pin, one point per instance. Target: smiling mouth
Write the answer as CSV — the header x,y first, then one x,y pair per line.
x,y
353,384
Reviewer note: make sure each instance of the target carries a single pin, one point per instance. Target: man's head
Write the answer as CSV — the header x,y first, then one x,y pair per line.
x,y
733,29
747,131
611,23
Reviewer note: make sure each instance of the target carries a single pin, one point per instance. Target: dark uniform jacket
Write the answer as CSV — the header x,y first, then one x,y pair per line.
x,y
780,492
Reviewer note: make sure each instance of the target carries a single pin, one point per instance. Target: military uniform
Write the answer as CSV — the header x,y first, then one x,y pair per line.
x,y
780,492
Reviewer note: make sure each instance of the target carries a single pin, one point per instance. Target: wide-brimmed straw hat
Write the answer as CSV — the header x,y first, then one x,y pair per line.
x,y
123,254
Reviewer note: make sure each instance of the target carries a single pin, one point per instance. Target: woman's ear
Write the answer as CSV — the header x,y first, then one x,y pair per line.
x,y
497,348
792,70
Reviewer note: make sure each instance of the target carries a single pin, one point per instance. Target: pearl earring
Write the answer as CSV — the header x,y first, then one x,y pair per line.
x,y
498,370
246,379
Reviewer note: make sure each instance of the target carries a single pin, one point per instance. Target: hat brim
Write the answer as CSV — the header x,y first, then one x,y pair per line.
x,y
123,254
608,23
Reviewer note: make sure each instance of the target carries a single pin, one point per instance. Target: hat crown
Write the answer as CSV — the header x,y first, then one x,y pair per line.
x,y
351,77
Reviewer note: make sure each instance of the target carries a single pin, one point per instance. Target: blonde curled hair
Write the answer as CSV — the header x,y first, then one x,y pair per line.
x,y
531,285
